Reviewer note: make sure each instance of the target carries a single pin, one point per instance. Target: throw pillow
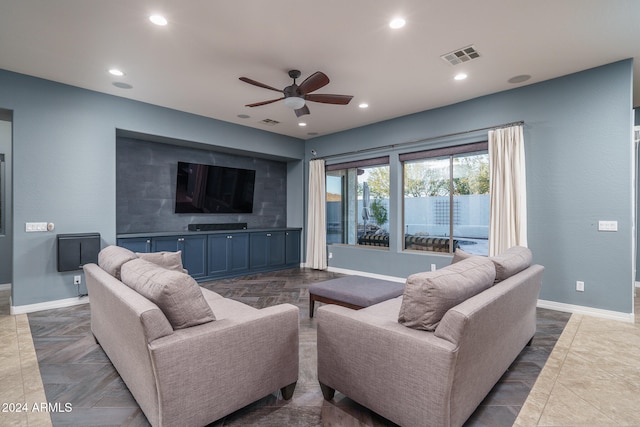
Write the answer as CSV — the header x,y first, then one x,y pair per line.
x,y
168,260
459,255
511,261
175,293
428,296
112,258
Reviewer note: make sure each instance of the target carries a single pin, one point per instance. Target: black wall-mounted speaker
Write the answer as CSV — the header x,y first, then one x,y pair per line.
x,y
216,227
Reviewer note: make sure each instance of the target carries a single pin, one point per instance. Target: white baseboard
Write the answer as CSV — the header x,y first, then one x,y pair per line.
x,y
49,305
5,286
588,311
366,274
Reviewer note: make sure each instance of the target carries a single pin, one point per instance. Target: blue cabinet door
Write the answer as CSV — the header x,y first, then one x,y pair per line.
x,y
267,250
276,249
292,247
194,251
168,244
218,254
228,254
194,255
136,244
259,250
238,253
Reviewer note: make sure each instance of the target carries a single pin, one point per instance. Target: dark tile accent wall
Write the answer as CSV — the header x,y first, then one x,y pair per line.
x,y
146,180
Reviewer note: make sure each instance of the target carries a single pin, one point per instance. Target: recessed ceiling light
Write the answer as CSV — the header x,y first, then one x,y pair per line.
x,y
158,20
302,124
122,85
116,72
519,79
363,105
460,76
396,23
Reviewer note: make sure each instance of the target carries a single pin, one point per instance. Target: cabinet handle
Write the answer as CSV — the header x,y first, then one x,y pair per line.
x,y
268,234
181,239
229,237
149,241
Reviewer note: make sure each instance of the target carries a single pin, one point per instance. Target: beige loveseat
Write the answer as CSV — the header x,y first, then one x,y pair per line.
x,y
192,356
429,357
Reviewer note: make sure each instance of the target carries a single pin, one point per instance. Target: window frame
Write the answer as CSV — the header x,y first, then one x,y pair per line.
x,y
346,166
434,153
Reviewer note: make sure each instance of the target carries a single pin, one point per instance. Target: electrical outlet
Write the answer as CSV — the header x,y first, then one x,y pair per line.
x,y
330,255
433,267
77,280
580,286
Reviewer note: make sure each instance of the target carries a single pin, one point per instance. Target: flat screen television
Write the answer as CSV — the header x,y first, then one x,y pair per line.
x,y
214,189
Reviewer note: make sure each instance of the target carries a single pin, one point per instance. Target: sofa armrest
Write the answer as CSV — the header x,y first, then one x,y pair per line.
x,y
401,373
207,371
490,330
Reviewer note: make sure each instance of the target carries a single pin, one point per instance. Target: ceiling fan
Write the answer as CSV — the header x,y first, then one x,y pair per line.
x,y
295,96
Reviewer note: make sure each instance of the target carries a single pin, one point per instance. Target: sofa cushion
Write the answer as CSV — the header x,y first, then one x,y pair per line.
x,y
428,296
511,261
175,293
459,255
112,258
169,260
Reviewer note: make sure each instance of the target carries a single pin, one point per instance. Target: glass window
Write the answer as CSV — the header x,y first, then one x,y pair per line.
x,y
358,204
446,200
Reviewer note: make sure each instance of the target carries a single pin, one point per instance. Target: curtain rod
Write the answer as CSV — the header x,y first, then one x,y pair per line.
x,y
431,138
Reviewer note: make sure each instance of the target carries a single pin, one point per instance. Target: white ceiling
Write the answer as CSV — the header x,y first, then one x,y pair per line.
x,y
193,64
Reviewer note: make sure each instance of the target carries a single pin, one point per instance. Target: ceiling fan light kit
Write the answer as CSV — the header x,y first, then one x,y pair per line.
x,y
294,102
295,96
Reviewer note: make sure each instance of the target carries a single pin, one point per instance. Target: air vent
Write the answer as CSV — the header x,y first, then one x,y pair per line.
x,y
269,122
459,56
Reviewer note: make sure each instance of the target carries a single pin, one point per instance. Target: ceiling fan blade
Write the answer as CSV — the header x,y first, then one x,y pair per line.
x,y
329,99
302,111
257,104
255,83
314,82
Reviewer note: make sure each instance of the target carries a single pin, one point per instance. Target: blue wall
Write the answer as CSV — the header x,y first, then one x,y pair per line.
x,y
579,160
579,171
64,166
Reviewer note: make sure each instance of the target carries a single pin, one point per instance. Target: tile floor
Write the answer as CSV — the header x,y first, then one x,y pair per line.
x,y
20,383
592,377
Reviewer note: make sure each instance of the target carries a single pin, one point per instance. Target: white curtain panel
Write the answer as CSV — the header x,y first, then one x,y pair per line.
x,y
316,217
508,200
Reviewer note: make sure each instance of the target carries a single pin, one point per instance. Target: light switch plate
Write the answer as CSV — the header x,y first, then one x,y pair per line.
x,y
31,227
607,225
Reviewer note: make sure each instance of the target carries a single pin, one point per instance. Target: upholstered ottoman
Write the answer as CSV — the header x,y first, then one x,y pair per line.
x,y
353,292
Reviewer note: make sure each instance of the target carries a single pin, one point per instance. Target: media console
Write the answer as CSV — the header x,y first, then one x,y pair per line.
x,y
209,255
